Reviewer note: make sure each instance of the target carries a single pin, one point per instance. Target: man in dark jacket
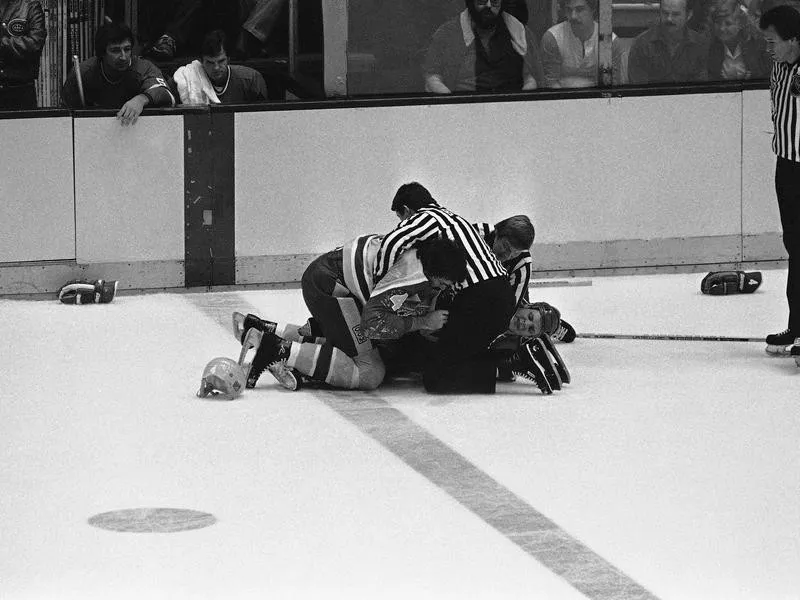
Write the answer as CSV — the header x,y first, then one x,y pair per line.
x,y
22,35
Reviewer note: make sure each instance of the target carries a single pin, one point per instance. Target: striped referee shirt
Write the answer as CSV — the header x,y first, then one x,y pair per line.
x,y
784,100
519,268
432,221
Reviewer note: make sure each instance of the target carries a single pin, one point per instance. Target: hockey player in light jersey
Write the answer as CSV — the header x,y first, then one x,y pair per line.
x,y
336,286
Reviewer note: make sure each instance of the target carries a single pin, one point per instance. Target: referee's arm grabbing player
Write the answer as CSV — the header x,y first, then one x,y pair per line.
x,y
114,78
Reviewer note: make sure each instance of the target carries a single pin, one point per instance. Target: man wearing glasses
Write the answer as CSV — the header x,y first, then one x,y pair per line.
x,y
483,49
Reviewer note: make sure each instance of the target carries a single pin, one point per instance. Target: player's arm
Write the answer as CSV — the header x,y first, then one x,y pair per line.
x,y
259,92
418,227
154,91
32,41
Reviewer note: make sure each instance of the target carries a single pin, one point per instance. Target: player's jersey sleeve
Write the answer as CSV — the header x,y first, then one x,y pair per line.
x,y
403,294
152,81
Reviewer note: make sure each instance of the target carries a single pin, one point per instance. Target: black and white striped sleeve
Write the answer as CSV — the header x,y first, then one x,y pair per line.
x,y
418,227
519,276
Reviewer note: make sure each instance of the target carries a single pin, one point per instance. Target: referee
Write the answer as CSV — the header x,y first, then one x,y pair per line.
x,y
482,307
781,27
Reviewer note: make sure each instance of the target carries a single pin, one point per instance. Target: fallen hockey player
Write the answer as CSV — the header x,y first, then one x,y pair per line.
x,y
336,286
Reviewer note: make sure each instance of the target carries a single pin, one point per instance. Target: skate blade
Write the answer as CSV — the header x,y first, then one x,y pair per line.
x,y
238,325
778,350
287,377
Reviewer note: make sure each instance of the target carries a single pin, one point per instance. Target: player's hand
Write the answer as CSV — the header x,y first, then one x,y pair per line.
x,y
130,111
436,319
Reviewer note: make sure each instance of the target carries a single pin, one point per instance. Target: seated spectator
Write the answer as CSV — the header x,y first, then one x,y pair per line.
x,y
669,51
737,50
114,78
22,35
247,23
569,48
482,49
211,80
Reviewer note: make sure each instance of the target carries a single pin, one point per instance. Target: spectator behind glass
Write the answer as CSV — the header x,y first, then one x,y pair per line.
x,y
247,23
22,35
114,78
669,51
569,48
737,50
482,49
212,80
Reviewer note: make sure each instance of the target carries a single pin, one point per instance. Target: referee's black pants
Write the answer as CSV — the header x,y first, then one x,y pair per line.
x,y
460,361
787,188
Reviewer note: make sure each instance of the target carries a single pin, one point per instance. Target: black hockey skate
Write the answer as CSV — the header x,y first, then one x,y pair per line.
x,y
523,364
268,357
242,323
795,354
560,365
565,332
779,343
543,358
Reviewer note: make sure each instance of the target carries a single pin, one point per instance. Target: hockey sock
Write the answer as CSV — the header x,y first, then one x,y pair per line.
x,y
327,363
294,333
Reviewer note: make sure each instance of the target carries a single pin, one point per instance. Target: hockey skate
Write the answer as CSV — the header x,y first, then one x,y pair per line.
x,y
523,364
267,348
779,344
242,323
543,358
795,353
560,365
565,332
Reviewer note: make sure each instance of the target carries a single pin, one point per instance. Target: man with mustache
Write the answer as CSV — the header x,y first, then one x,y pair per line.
x,y
114,78
569,48
669,52
483,49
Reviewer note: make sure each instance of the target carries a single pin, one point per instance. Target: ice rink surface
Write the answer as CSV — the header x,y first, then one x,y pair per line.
x,y
666,469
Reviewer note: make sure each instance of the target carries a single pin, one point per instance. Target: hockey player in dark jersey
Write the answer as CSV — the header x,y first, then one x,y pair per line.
x,y
114,78
336,287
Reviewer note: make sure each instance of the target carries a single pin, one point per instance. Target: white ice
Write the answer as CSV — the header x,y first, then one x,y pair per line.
x,y
677,462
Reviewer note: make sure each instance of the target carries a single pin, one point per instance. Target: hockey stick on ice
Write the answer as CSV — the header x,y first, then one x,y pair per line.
x,y
677,338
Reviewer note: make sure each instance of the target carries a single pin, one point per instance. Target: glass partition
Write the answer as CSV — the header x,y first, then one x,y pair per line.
x,y
320,49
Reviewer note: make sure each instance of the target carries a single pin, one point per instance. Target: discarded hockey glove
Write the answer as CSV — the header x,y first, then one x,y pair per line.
x,y
722,283
85,292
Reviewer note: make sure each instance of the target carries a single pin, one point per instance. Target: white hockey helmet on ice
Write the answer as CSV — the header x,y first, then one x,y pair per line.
x,y
222,376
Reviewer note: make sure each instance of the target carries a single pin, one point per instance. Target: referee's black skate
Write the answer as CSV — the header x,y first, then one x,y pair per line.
x,y
561,366
779,343
523,364
543,358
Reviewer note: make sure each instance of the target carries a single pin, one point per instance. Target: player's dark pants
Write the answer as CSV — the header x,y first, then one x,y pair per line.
x,y
787,188
460,362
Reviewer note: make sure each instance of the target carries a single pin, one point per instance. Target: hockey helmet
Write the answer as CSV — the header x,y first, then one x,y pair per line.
x,y
222,376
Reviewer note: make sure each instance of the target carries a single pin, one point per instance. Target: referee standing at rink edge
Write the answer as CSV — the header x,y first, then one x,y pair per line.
x,y
781,27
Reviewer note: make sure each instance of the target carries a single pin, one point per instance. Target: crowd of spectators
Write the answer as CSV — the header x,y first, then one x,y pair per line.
x,y
477,45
